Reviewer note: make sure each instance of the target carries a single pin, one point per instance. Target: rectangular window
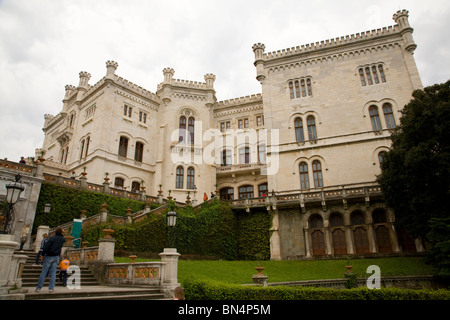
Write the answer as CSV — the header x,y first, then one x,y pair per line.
x,y
244,155
142,117
139,151
127,111
259,120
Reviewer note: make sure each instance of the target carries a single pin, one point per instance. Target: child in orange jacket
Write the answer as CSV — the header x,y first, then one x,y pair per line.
x,y
64,265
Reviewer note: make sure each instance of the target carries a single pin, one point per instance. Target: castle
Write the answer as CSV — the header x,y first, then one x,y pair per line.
x,y
307,148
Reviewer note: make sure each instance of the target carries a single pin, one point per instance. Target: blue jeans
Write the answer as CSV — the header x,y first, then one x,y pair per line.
x,y
48,266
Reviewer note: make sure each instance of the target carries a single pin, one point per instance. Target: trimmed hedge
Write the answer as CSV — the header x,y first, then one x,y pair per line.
x,y
205,289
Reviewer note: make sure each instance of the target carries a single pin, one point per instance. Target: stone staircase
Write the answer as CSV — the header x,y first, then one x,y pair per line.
x,y
91,289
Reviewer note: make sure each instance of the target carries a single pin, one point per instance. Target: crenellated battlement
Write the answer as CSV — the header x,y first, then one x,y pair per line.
x,y
241,100
134,87
334,42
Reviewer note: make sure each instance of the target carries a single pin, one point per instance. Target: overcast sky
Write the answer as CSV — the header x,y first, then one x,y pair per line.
x,y
44,44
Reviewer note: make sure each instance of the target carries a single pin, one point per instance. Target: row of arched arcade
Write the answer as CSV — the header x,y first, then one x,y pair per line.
x,y
360,231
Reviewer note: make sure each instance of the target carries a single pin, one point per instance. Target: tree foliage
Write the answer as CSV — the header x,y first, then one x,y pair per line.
x,y
415,177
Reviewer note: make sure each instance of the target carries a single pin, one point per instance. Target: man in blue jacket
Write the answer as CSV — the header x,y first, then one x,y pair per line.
x,y
52,251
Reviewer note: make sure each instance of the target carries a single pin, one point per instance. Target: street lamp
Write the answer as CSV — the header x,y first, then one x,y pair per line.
x,y
171,221
13,191
47,208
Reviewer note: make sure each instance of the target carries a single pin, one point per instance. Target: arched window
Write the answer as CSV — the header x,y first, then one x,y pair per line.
x,y
82,149
244,155
357,218
338,235
262,190
182,127
123,146
369,77
118,183
381,155
139,151
179,179
246,192
317,235
380,69
303,88
361,75
359,232
291,89
375,74
297,89
190,178
375,118
135,186
311,122
66,155
88,140
227,193
308,84
298,124
304,178
336,220
191,130
388,116
379,216
317,174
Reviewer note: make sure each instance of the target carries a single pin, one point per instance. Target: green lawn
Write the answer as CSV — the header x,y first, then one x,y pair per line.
x,y
241,272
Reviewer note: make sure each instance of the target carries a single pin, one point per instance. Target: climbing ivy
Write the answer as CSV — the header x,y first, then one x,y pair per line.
x,y
67,204
214,230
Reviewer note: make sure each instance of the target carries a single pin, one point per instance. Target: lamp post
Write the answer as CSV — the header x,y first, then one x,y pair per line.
x,y
47,209
13,191
171,222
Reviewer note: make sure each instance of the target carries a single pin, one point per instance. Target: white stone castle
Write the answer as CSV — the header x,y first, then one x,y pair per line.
x,y
308,147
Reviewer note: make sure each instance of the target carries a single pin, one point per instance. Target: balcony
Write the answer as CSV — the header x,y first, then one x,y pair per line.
x,y
342,194
240,169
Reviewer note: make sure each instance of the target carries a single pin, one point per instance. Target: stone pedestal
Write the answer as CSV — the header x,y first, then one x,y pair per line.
x,y
39,236
106,248
11,266
170,279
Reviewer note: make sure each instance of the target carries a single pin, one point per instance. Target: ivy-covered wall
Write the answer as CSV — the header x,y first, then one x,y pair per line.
x,y
212,230
67,204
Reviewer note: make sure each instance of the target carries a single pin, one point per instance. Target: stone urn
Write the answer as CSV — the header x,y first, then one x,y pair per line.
x,y
108,233
133,257
259,269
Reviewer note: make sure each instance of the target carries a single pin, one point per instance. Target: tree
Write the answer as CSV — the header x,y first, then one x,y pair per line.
x,y
415,172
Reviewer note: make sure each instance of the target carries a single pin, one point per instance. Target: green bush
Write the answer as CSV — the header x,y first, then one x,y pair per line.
x,y
67,204
205,289
212,230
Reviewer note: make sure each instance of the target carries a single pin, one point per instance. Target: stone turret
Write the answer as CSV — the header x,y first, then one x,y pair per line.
x,y
258,49
84,79
401,18
210,78
69,91
168,74
111,67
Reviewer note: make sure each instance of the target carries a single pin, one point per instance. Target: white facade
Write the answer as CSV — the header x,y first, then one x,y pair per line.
x,y
325,112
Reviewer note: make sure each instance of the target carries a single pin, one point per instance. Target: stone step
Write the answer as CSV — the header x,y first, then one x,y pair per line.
x,y
96,293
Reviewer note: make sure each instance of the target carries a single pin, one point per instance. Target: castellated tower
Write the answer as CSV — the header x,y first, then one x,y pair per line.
x,y
185,115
